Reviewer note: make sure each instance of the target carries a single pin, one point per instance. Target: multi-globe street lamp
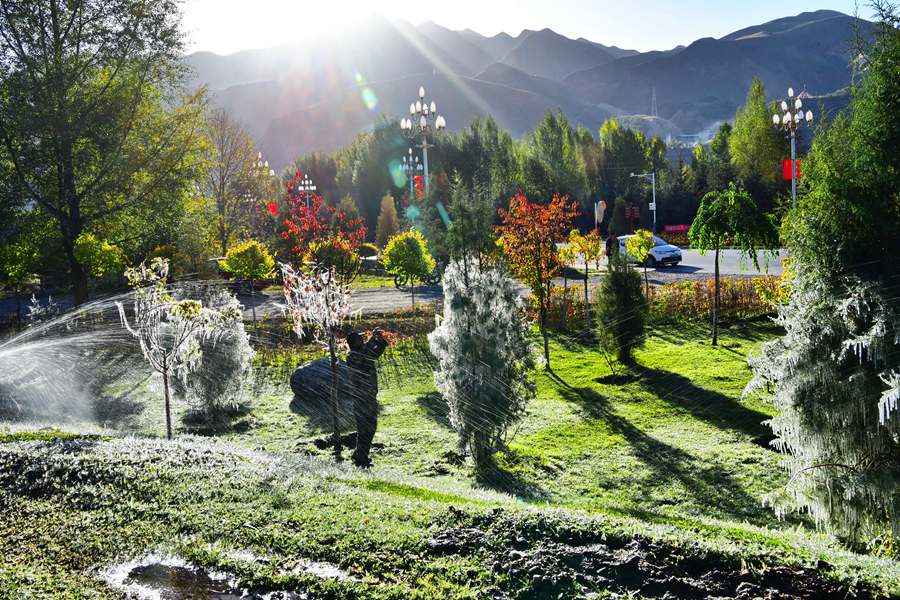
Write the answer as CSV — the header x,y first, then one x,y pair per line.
x,y
790,121
652,177
411,168
306,187
423,121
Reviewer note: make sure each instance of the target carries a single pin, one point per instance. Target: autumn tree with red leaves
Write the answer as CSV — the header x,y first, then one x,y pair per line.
x,y
311,220
528,236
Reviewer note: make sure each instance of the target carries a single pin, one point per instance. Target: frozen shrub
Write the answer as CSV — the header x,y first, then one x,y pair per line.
x,y
483,354
215,389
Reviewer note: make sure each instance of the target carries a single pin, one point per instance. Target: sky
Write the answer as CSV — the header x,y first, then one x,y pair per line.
x,y
226,26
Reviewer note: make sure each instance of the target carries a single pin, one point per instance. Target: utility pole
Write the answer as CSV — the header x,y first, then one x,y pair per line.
x,y
652,177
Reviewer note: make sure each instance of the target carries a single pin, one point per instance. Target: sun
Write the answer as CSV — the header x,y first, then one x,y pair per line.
x,y
226,26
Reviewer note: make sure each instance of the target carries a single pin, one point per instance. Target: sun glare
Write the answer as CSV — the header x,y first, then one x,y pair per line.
x,y
226,26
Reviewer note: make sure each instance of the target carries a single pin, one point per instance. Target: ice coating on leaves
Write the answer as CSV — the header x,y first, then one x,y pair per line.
x,y
316,302
483,354
169,331
837,422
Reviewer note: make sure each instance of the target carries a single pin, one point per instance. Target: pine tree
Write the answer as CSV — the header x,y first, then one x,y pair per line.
x,y
836,371
388,223
483,354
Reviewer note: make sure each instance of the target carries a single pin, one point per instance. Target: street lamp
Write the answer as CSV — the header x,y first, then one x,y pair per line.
x,y
306,186
652,177
790,121
411,166
422,121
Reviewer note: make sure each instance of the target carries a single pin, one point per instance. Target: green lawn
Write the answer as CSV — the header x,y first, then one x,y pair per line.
x,y
667,450
365,280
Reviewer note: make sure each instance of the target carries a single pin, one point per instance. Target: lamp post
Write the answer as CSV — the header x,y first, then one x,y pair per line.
x,y
306,186
652,177
422,121
792,119
411,166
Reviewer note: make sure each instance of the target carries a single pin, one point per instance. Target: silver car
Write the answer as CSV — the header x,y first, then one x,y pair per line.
x,y
662,254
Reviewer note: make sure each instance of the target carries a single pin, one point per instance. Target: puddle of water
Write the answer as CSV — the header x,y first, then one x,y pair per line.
x,y
321,569
172,578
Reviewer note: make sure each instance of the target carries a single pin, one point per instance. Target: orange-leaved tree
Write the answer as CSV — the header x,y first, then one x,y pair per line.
x,y
528,236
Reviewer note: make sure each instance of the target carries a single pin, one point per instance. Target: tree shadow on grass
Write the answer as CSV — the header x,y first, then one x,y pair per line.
x,y
434,406
318,413
501,479
715,408
705,481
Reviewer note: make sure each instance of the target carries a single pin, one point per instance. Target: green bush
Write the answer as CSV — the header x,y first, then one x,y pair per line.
x,y
367,250
621,310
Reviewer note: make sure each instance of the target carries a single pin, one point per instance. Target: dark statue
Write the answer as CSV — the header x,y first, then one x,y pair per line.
x,y
357,377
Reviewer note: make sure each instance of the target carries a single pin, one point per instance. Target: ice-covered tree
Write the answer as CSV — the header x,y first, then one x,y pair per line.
x,y
318,302
483,355
215,388
836,371
168,330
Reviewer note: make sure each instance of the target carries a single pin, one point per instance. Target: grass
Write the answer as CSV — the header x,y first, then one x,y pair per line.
x,y
667,449
366,280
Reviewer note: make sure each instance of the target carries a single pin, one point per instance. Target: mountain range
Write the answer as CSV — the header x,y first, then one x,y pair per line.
x,y
318,96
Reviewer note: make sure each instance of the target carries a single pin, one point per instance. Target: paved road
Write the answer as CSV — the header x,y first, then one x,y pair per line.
x,y
693,266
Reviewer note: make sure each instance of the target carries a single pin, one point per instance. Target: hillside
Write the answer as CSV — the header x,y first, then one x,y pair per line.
x,y
296,99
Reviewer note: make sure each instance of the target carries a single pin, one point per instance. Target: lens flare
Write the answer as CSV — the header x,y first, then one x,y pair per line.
x,y
397,173
443,212
369,99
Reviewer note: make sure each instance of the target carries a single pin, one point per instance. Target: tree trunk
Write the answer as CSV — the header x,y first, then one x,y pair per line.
x,y
72,224
335,409
18,293
412,288
715,312
646,285
543,312
587,303
565,314
168,404
252,304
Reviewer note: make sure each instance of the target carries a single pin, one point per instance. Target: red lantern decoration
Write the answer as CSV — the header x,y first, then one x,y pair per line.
x,y
419,186
273,208
417,179
786,169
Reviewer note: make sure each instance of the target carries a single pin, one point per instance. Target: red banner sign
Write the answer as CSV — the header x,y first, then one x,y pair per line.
x,y
681,228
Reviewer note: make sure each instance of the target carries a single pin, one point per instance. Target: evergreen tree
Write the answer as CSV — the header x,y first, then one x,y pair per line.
x,y
552,162
836,371
483,355
388,224
621,310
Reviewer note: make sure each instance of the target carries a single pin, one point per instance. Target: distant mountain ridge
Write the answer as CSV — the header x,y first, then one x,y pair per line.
x,y
296,99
